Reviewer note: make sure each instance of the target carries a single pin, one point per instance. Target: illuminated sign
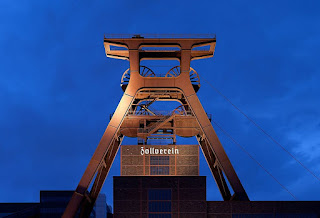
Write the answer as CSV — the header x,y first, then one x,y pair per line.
x,y
151,151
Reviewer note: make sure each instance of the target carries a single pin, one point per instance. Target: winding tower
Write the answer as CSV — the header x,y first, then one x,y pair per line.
x,y
134,117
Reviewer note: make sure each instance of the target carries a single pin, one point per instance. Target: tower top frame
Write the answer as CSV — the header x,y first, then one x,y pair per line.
x,y
160,46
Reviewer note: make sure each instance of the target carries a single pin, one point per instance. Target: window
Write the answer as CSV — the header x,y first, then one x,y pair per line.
x,y
159,203
159,215
159,160
159,165
159,195
159,170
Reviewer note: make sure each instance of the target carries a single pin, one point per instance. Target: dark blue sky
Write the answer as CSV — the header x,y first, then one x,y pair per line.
x,y
57,88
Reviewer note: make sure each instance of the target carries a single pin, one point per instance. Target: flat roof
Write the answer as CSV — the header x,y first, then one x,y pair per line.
x,y
161,36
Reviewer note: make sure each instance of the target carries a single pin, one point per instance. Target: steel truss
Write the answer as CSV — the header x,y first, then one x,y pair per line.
x,y
179,84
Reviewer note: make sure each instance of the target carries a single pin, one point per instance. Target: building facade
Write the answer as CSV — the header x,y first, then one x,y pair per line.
x,y
185,197
156,183
52,205
159,196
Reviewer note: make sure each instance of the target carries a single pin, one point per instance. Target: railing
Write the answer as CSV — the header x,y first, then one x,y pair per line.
x,y
160,142
177,111
158,113
153,125
164,36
